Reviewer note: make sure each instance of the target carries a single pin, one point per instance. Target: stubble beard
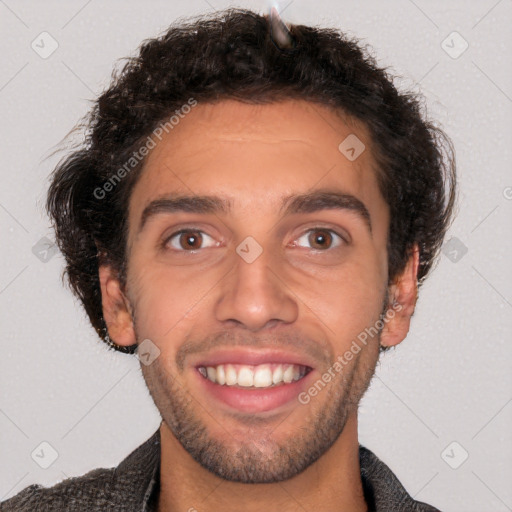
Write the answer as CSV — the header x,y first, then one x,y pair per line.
x,y
260,457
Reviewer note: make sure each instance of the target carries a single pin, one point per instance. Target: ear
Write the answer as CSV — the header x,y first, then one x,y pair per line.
x,y
403,294
116,308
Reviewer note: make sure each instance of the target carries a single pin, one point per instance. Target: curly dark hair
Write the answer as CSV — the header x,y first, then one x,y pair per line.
x,y
232,55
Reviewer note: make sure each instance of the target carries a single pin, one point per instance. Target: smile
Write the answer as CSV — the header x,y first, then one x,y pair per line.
x,y
249,384
254,376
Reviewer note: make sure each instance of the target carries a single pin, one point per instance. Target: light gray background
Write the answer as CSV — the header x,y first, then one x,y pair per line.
x,y
450,380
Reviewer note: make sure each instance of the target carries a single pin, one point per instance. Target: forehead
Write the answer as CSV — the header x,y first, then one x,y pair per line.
x,y
254,155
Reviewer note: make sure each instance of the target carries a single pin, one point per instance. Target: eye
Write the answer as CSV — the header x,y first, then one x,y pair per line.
x,y
189,240
320,239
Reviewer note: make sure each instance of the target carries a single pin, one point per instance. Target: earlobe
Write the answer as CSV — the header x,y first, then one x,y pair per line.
x,y
403,294
116,308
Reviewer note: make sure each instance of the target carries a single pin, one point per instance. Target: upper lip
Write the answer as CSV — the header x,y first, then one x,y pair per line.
x,y
252,357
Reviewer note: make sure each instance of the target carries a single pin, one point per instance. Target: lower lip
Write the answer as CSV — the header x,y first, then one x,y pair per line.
x,y
254,400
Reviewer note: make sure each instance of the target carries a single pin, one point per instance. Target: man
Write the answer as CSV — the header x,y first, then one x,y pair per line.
x,y
252,211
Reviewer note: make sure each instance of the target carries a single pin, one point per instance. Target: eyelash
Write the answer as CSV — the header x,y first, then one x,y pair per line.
x,y
342,239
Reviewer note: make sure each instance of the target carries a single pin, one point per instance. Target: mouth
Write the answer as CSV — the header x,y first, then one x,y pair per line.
x,y
253,383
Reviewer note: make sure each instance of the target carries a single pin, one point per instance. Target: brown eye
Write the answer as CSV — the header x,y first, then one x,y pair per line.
x,y
320,239
189,240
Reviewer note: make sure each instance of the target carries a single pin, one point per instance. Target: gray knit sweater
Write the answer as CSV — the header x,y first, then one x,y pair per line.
x,y
133,486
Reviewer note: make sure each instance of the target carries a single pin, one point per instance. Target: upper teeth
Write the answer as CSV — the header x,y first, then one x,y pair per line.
x,y
260,376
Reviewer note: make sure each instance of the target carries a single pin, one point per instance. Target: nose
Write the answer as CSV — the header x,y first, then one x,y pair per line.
x,y
255,296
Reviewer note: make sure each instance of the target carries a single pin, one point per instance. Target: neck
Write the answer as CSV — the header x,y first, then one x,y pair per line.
x,y
332,483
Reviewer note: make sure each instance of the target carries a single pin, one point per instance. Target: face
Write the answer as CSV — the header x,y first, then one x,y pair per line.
x,y
256,256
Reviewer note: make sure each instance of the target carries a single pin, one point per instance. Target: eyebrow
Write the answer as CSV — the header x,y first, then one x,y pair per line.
x,y
294,204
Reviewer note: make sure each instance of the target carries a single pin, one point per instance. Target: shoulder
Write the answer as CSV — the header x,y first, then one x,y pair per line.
x,y
104,489
73,494
383,491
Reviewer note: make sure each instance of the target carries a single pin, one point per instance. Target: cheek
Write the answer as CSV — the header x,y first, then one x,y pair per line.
x,y
347,300
164,301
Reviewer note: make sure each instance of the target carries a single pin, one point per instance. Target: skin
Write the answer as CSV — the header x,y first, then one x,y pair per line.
x,y
313,294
